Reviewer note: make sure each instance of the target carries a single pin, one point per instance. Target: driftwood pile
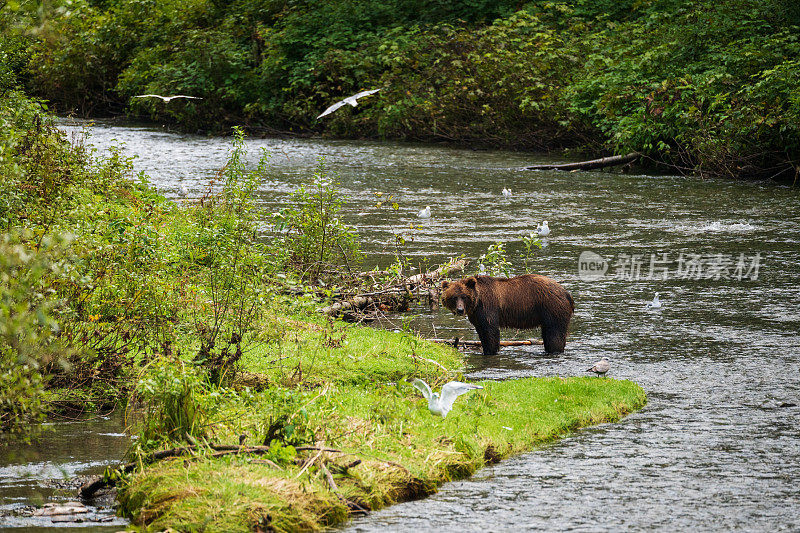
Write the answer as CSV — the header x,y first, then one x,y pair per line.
x,y
395,296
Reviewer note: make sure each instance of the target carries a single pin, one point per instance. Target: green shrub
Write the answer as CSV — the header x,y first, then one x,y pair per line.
x,y
37,164
495,261
313,237
170,396
29,333
232,265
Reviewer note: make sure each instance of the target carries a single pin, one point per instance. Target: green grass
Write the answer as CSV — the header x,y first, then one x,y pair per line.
x,y
314,352
355,397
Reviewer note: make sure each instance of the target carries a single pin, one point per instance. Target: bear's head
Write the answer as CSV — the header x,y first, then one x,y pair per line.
x,y
461,297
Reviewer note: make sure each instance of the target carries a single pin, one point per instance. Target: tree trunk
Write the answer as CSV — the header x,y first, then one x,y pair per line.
x,y
590,165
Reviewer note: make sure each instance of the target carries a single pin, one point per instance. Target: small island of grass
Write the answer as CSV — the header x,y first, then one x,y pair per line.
x,y
355,436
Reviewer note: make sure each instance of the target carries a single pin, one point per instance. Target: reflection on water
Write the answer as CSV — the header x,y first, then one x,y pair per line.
x,y
718,445
51,468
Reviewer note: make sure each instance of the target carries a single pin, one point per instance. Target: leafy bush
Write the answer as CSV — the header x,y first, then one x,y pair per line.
x,y
233,266
28,330
689,86
313,237
170,394
495,261
501,83
37,164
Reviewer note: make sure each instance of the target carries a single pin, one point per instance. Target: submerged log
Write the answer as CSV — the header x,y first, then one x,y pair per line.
x,y
590,165
456,342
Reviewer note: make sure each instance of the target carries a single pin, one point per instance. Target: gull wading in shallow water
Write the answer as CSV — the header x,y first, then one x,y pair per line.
x,y
167,98
425,213
543,230
656,303
600,367
507,193
352,100
441,405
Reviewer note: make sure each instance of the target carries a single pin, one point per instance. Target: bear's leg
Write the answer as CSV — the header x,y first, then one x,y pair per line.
x,y
490,340
555,339
488,331
554,334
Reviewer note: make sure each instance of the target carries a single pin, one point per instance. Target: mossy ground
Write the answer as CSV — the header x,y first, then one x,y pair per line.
x,y
352,394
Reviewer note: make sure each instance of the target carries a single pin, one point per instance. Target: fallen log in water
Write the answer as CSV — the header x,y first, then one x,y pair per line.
x,y
456,342
590,165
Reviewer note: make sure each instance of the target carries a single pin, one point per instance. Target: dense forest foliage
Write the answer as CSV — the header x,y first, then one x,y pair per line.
x,y
701,84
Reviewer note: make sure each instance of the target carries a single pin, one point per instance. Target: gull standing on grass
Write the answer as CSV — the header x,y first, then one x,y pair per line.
x,y
441,405
656,303
600,367
352,100
167,99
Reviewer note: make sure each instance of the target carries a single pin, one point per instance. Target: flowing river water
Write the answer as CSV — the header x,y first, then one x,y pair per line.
x,y
718,445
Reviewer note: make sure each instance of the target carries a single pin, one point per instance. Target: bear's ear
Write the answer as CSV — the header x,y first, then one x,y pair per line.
x,y
470,282
445,284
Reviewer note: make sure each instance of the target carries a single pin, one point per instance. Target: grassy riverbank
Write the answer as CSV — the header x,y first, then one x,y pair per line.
x,y
356,399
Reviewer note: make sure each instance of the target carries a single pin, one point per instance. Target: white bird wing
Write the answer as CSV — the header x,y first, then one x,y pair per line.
x,y
423,388
364,93
166,98
453,390
332,108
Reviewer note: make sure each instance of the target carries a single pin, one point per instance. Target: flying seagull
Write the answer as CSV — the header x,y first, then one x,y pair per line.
x,y
166,98
656,303
425,213
441,405
352,100
600,367
543,230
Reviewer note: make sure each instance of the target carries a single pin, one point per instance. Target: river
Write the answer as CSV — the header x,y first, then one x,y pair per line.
x,y
717,448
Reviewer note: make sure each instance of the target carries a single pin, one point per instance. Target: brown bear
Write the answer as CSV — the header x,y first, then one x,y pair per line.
x,y
522,302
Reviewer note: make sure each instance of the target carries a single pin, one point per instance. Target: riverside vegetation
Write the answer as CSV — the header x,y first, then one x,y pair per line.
x,y
206,329
700,85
